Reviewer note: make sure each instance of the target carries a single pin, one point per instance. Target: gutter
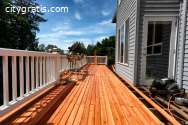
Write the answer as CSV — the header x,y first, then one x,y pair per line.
x,y
182,42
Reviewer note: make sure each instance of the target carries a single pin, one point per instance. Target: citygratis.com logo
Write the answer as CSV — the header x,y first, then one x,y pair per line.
x,y
24,10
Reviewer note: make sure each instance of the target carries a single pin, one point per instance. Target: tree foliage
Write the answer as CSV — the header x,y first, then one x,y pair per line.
x,y
18,29
105,48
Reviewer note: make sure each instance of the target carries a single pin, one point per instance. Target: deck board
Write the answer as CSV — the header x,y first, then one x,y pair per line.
x,y
101,98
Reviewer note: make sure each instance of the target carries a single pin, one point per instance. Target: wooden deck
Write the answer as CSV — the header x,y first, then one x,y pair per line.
x,y
101,98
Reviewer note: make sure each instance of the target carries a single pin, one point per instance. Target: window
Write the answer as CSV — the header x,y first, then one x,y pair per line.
x,y
156,36
119,44
123,43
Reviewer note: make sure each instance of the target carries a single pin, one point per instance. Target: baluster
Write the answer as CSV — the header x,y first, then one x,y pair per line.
x,y
48,77
47,69
53,76
14,79
21,77
41,71
5,81
27,75
44,71
32,73
37,73
50,70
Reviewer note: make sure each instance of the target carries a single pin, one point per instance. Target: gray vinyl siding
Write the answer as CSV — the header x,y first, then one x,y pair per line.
x,y
185,68
127,8
152,7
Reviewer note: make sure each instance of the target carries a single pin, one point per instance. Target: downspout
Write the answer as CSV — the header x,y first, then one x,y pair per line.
x,y
136,43
182,42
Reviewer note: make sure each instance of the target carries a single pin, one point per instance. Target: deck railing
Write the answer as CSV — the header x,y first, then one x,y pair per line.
x,y
100,60
32,73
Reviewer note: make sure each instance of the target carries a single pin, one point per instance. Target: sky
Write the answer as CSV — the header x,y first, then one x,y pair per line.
x,y
86,21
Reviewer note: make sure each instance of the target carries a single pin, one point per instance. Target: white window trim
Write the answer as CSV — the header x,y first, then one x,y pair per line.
x,y
119,53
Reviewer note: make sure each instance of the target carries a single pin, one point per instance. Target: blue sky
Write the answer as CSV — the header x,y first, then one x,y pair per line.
x,y
85,21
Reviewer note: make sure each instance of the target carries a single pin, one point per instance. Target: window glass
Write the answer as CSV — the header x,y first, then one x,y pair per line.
x,y
119,45
126,41
149,50
157,49
158,32
122,43
150,32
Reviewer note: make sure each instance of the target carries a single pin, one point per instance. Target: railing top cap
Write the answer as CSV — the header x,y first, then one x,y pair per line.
x,y
14,52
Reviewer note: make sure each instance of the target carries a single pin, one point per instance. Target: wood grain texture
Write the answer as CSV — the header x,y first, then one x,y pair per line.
x,y
98,98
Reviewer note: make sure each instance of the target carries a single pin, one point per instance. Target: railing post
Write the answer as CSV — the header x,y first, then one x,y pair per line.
x,y
56,51
106,60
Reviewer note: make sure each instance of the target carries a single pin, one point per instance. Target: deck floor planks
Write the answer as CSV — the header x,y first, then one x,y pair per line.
x,y
71,105
103,99
128,109
63,109
125,105
78,117
97,103
87,106
107,105
140,106
114,95
73,114
112,105
61,105
102,105
137,112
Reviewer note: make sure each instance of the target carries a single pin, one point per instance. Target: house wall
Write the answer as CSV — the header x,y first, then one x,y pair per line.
x,y
185,83
152,7
185,42
127,8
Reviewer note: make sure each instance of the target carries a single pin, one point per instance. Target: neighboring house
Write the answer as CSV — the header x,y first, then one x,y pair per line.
x,y
152,40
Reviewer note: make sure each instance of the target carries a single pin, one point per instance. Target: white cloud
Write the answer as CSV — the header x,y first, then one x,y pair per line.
x,y
77,16
79,1
104,22
100,38
63,26
99,28
105,13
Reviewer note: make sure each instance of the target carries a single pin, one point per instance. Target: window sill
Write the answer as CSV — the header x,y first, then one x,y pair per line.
x,y
125,64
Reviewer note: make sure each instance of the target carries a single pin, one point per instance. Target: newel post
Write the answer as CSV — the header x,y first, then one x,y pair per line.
x,y
57,65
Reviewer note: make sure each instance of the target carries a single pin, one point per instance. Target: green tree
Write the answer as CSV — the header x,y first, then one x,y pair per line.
x,y
90,50
18,29
41,48
50,46
81,48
